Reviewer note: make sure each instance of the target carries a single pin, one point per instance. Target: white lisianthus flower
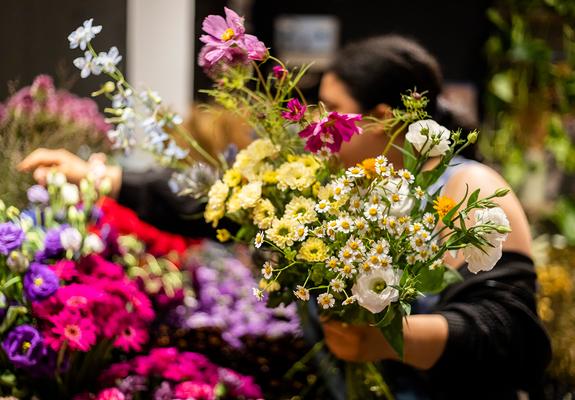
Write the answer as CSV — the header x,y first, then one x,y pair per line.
x,y
93,244
373,290
428,137
71,239
84,34
70,194
484,259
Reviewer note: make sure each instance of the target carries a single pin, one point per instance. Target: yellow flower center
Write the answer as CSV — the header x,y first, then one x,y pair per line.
x,y
25,346
228,34
38,281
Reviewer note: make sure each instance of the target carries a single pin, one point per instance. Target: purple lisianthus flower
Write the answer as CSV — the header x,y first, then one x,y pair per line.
x,y
11,237
40,282
24,346
52,244
38,194
296,110
331,131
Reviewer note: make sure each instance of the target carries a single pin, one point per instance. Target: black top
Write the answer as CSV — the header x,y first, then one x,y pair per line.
x,y
496,344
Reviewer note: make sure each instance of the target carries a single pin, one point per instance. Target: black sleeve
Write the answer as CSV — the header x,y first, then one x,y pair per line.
x,y
149,195
495,336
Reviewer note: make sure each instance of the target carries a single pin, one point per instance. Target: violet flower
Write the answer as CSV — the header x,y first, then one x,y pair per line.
x,y
38,194
11,237
40,282
331,131
24,346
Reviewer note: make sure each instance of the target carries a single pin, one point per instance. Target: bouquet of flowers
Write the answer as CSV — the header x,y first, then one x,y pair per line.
x,y
40,115
363,241
166,374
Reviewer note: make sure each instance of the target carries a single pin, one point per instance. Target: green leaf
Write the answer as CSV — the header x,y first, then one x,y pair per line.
x,y
394,334
406,307
11,316
409,159
473,198
387,318
429,281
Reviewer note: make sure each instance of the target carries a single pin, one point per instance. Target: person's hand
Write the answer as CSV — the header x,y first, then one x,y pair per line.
x,y
41,161
356,343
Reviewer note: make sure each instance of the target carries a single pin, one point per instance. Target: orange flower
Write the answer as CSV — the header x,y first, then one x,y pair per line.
x,y
443,205
369,166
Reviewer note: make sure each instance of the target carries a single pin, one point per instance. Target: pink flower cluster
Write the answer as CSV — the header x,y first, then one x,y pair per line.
x,y
183,375
330,132
97,301
41,99
227,43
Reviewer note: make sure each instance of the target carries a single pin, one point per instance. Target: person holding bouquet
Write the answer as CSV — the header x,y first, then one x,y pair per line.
x,y
482,338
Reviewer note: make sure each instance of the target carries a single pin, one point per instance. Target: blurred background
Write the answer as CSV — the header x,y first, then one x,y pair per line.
x,y
509,64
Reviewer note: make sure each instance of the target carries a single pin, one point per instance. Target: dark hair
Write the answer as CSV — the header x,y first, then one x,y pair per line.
x,y
379,69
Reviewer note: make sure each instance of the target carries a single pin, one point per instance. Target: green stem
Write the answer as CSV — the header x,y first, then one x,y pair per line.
x,y
393,138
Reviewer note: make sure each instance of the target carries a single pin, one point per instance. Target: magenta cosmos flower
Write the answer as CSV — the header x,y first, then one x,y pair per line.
x,y
227,42
296,110
331,131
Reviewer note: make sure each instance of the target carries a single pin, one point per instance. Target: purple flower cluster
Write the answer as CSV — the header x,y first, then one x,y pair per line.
x,y
225,301
11,237
42,99
40,282
26,349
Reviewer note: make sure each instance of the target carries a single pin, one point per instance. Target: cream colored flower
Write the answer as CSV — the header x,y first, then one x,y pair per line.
x,y
264,213
267,270
232,177
259,240
301,209
295,176
282,232
374,290
250,194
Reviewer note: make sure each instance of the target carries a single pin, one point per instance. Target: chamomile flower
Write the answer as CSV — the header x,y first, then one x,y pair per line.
x,y
417,243
301,232
348,270
323,206
301,293
326,300
347,255
344,224
365,267
381,165
339,190
373,261
258,293
355,204
434,247
349,300
429,220
355,172
267,270
332,263
356,245
423,255
436,264
259,240
419,193
411,259
415,227
372,212
337,285
361,225
381,247
385,261
406,176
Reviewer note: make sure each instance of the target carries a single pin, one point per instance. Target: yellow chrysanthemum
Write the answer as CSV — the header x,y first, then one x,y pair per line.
x,y
369,166
282,232
270,177
232,177
295,176
443,205
313,250
223,235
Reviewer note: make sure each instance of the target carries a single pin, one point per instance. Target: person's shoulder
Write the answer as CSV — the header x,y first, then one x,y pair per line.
x,y
475,175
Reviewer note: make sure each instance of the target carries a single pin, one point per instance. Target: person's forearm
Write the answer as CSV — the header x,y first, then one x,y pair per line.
x,y
114,174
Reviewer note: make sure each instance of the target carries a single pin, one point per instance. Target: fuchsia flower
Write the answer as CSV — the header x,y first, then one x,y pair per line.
x,y
296,110
79,332
64,269
131,337
194,390
331,131
279,72
227,41
111,394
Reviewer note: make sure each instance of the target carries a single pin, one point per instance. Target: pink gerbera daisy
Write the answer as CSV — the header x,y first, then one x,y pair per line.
x,y
79,332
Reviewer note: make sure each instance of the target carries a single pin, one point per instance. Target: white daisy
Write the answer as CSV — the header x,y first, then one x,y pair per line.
x,y
259,240
326,300
337,285
301,293
267,270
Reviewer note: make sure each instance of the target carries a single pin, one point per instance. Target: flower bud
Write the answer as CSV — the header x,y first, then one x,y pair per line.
x,y
73,214
12,212
55,178
502,192
17,262
502,229
70,194
71,239
472,137
105,186
93,244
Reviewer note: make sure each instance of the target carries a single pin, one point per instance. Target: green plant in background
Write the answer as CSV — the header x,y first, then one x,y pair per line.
x,y
530,106
41,116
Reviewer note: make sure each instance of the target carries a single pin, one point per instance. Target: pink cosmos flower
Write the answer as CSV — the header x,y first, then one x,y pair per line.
x,y
331,131
64,269
296,110
194,390
279,72
79,332
111,394
227,41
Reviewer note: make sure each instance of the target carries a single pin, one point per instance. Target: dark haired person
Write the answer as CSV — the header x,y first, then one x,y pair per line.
x,y
482,339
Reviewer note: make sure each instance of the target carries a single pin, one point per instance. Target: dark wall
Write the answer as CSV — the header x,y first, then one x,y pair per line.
x,y
33,39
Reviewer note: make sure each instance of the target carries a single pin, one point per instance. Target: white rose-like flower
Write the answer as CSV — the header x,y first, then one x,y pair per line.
x,y
70,194
250,194
427,136
71,239
396,188
485,259
56,178
373,290
93,244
